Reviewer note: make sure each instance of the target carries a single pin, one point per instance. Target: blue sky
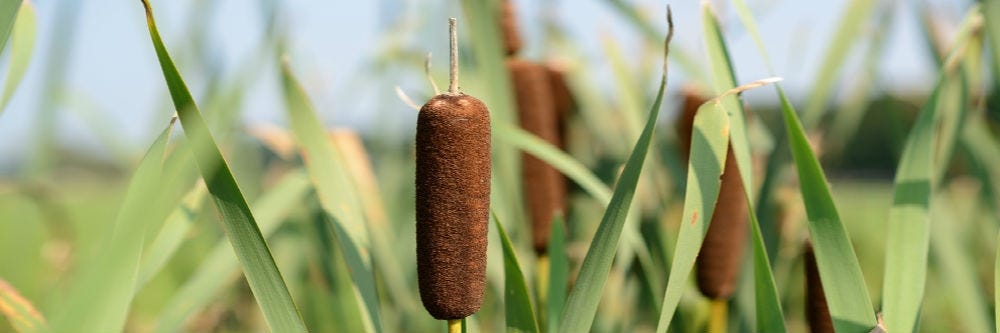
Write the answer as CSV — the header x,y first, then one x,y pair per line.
x,y
114,69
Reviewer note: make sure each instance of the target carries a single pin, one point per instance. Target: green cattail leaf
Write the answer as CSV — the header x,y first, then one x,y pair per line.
x,y
558,275
907,236
926,153
991,8
337,194
100,298
20,313
723,79
985,150
996,286
581,306
769,316
709,141
220,266
22,38
847,295
843,283
517,301
340,304
241,228
8,14
170,237
767,302
558,159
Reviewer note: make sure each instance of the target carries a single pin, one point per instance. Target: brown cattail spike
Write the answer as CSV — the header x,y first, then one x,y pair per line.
x,y
544,186
508,26
452,201
817,312
718,264
719,260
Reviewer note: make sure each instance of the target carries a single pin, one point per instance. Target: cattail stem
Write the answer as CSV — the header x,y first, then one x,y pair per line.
x,y
453,74
454,326
719,317
542,285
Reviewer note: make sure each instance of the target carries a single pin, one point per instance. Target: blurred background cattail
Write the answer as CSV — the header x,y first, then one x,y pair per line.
x,y
544,186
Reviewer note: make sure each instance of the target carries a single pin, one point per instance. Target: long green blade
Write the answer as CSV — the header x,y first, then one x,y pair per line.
x,y
843,283
336,194
908,235
709,140
100,298
996,286
558,275
517,302
8,13
22,44
170,236
238,221
767,302
991,8
723,79
220,266
847,296
581,306
908,228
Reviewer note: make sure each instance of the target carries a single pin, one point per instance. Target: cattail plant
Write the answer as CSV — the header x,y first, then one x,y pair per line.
x,y
508,27
452,200
817,312
718,263
544,186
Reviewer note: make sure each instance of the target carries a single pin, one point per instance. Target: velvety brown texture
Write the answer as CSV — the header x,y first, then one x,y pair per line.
x,y
563,99
718,264
453,204
544,186
817,312
508,27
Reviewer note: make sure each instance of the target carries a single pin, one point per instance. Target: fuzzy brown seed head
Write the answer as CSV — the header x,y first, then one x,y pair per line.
x,y
453,203
544,186
817,311
508,26
718,264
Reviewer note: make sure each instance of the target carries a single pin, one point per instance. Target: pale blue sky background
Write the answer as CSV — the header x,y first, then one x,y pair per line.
x,y
112,63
